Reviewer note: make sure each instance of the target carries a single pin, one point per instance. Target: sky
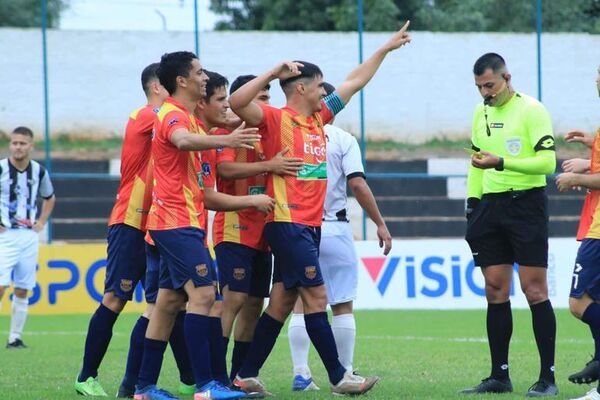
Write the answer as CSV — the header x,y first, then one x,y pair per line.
x,y
145,15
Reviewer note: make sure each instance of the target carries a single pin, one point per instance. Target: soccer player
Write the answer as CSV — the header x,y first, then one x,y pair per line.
x,y
21,181
293,229
337,257
242,253
585,290
176,224
507,219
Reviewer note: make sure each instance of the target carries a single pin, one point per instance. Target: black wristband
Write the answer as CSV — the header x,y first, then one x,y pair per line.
x,y
500,166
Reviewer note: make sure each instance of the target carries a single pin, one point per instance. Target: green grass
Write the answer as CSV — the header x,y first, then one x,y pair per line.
x,y
418,355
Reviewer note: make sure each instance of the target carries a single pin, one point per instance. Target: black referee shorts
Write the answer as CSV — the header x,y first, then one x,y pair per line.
x,y
510,227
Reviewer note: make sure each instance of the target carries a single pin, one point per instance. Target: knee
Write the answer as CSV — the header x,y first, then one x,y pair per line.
x,y
253,307
497,292
315,300
578,307
535,292
342,308
21,293
201,302
113,303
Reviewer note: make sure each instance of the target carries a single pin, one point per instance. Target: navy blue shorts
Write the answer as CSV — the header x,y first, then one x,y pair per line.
x,y
183,258
586,272
244,269
295,248
152,273
126,260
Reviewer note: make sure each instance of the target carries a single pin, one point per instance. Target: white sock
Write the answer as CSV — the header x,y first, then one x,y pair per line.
x,y
299,345
344,332
18,318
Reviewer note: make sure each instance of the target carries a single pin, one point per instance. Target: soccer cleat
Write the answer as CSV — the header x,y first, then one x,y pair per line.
x,y
542,388
591,395
16,344
588,374
253,386
213,390
303,384
186,389
125,392
151,392
490,385
352,384
90,387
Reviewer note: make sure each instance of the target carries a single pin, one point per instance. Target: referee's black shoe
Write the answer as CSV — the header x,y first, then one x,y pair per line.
x,y
16,344
588,374
542,388
490,385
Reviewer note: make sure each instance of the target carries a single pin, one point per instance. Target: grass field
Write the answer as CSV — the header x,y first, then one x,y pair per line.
x,y
418,355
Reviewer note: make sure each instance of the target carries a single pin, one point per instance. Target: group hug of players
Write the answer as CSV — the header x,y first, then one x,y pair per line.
x,y
272,179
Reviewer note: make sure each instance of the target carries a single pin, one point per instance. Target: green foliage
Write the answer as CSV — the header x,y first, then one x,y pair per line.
x,y
27,13
428,15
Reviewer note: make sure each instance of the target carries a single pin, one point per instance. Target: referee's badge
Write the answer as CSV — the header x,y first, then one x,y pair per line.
x,y
513,146
310,272
126,285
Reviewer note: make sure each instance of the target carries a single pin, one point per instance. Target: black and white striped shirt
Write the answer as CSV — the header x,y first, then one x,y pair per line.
x,y
19,191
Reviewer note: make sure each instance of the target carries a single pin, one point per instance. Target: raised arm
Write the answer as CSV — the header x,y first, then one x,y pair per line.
x,y
362,74
241,100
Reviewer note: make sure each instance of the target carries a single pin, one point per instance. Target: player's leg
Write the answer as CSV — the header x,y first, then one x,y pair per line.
x,y
248,315
583,299
10,255
126,263
299,348
24,281
218,345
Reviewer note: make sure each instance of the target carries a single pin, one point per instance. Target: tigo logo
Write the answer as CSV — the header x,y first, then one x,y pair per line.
x,y
380,273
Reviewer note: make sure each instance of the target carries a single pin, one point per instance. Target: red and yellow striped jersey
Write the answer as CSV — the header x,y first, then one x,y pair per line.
x,y
589,225
299,199
134,195
178,194
245,226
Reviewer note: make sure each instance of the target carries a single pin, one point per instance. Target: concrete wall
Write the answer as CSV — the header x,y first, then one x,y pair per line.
x,y
421,91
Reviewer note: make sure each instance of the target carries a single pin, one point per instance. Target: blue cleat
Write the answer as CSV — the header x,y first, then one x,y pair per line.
x,y
302,384
151,392
214,390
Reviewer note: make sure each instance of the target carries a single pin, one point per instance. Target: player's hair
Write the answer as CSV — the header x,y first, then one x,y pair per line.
x,y
241,81
23,130
173,65
329,88
487,61
215,81
307,71
149,74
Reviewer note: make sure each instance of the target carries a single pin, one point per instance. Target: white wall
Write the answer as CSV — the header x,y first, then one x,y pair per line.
x,y
423,90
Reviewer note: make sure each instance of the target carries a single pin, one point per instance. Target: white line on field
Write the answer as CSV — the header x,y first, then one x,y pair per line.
x,y
359,337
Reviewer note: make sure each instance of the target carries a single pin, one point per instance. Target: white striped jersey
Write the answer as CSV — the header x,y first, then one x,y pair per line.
x,y
343,163
19,191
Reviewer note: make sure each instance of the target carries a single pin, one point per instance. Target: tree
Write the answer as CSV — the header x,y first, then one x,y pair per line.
x,y
27,13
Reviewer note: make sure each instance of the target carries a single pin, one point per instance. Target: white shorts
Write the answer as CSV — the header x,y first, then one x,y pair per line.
x,y
19,252
339,264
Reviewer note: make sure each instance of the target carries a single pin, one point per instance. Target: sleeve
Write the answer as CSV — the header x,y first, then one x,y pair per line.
x,y
208,158
539,128
331,105
46,190
351,159
145,120
223,154
475,176
173,121
270,121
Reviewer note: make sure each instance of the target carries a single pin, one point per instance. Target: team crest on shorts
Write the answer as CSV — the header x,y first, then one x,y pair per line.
x,y
239,273
513,146
126,285
202,270
310,272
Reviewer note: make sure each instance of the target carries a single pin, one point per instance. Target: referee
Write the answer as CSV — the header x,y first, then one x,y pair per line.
x,y
507,219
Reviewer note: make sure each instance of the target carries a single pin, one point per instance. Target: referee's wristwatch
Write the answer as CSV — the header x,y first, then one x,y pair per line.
x,y
500,165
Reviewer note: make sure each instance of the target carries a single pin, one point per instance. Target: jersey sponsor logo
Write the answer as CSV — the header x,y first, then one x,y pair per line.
x,y
497,125
313,171
239,274
318,150
310,272
513,146
126,285
173,121
240,227
290,206
200,180
548,143
202,270
256,190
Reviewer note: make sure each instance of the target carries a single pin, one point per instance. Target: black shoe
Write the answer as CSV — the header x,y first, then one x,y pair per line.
x,y
17,344
490,385
125,393
542,388
588,374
